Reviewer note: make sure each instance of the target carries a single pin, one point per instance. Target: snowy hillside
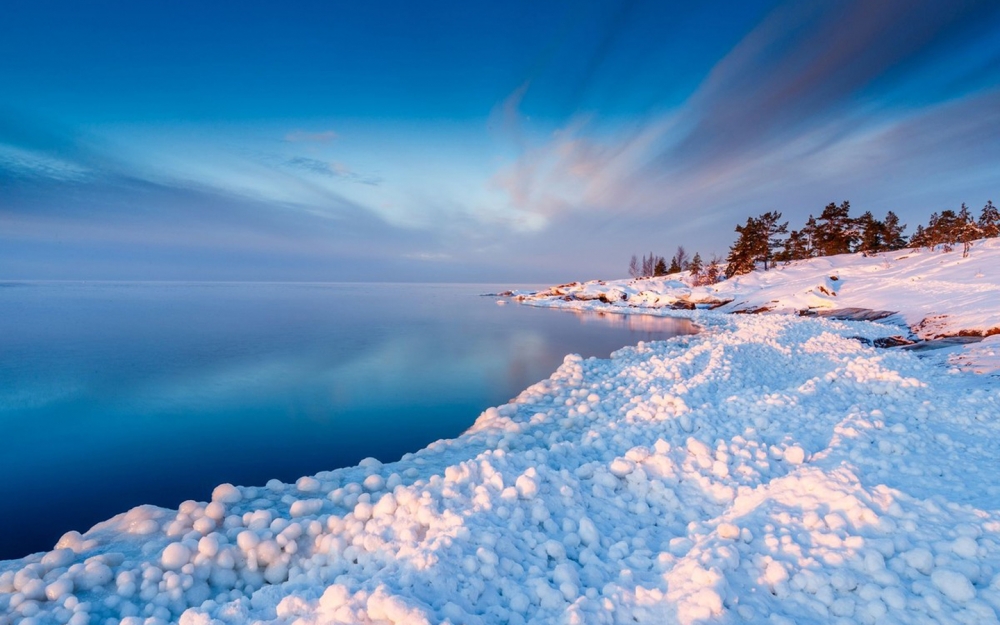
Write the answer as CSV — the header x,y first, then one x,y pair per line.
x,y
772,469
937,294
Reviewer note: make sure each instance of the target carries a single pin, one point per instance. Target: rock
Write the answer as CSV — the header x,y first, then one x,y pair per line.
x,y
892,341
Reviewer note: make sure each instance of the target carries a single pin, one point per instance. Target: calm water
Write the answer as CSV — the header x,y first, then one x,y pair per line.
x,y
113,395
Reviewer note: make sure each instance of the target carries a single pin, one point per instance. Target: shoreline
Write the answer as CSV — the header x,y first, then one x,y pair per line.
x,y
770,466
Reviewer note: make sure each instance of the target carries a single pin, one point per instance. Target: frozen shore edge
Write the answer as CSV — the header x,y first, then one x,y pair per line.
x,y
771,467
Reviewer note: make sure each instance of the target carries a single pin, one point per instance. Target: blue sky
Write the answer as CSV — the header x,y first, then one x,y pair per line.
x,y
472,141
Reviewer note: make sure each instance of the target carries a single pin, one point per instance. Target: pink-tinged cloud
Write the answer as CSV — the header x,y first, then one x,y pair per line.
x,y
784,121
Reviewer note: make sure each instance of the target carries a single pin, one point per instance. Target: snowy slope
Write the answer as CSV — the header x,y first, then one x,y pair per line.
x,y
771,469
936,293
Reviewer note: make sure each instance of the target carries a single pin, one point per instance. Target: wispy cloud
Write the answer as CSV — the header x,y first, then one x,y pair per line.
x,y
302,136
809,62
813,102
429,256
330,169
20,162
610,142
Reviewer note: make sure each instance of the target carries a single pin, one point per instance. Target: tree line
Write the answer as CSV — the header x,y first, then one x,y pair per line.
x,y
700,272
766,241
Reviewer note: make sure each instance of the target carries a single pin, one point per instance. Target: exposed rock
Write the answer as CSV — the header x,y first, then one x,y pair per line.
x,y
942,342
847,314
892,341
980,333
753,311
712,305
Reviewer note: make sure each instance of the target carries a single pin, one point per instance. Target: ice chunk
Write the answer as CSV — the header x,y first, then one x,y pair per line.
x,y
965,546
305,507
374,483
307,484
794,455
94,574
921,559
208,546
175,555
227,494
58,558
58,589
620,467
527,484
728,531
588,532
385,507
216,511
953,585
363,511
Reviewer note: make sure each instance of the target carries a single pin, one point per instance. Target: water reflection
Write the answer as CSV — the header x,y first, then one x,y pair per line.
x,y
112,395
653,325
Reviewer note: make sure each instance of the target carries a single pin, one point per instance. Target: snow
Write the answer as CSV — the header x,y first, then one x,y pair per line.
x,y
935,293
772,468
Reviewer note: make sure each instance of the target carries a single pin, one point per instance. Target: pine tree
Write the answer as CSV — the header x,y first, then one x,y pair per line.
x,y
836,232
771,230
714,271
920,238
967,233
932,233
872,234
811,234
944,229
796,247
964,215
893,233
966,230
989,221
675,266
748,248
696,267
660,269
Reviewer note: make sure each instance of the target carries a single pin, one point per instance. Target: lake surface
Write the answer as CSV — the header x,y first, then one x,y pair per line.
x,y
118,394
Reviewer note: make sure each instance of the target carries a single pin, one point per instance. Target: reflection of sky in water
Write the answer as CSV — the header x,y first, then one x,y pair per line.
x,y
113,395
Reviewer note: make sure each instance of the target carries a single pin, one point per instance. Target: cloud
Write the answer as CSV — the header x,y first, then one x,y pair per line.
x,y
225,215
330,169
818,102
115,228
36,147
301,136
16,162
809,62
68,211
429,256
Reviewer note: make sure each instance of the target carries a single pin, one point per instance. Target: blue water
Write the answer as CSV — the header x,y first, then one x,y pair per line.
x,y
118,394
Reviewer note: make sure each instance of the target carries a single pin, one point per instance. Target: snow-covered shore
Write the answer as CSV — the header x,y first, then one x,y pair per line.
x,y
935,293
773,468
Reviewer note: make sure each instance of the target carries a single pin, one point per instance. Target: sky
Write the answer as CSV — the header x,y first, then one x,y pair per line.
x,y
512,142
